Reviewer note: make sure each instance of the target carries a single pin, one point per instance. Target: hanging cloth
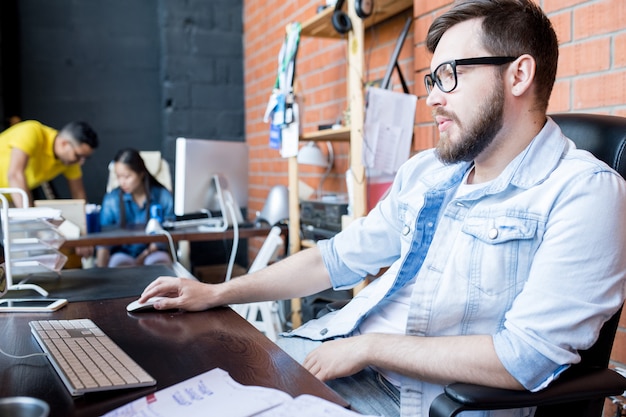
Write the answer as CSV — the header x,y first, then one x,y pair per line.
x,y
287,59
279,111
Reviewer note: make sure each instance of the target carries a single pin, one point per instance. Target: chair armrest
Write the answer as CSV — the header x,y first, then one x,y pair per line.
x,y
590,384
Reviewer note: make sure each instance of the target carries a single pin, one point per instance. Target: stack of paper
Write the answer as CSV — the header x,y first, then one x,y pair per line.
x,y
34,213
215,393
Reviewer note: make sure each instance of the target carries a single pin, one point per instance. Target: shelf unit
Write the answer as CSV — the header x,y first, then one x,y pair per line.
x,y
320,25
31,244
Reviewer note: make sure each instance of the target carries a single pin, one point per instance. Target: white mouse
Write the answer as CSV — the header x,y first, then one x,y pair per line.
x,y
136,306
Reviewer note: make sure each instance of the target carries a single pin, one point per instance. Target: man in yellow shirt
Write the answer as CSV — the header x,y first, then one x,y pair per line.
x,y
32,153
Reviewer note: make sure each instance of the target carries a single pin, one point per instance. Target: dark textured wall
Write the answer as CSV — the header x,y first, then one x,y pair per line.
x,y
142,72
9,62
203,68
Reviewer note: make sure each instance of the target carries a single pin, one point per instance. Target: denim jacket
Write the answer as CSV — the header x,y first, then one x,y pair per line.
x,y
110,214
535,259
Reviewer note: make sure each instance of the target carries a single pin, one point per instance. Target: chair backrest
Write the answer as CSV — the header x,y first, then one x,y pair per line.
x,y
155,164
602,135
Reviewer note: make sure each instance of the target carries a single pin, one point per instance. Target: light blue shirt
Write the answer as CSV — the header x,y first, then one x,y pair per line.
x,y
535,258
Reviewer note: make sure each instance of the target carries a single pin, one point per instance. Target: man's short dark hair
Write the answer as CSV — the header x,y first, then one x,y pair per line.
x,y
82,133
510,28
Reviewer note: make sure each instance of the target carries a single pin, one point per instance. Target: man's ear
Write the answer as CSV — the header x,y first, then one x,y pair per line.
x,y
522,74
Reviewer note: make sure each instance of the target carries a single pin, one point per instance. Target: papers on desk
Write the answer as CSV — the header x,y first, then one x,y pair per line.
x,y
216,393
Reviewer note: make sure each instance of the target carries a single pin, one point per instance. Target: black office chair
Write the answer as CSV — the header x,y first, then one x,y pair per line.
x,y
580,391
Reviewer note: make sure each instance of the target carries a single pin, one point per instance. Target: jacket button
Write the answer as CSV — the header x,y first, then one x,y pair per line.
x,y
493,233
323,331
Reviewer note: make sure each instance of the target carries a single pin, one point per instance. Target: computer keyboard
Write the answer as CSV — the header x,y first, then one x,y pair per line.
x,y
85,358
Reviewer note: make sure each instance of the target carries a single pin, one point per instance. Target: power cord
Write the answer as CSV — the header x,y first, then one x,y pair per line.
x,y
170,241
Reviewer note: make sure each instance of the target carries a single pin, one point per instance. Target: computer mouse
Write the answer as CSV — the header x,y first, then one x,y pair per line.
x,y
136,306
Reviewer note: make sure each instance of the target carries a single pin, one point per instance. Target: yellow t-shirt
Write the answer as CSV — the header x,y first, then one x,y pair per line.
x,y
37,141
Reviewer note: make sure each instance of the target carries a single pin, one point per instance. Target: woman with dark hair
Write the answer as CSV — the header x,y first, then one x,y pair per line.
x,y
128,205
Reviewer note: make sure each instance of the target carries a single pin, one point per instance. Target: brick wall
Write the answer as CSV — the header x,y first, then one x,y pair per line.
x,y
591,77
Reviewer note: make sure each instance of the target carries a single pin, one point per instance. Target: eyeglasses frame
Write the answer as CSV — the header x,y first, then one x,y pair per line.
x,y
485,60
77,156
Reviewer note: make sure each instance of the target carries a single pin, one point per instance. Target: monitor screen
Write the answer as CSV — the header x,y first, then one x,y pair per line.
x,y
197,161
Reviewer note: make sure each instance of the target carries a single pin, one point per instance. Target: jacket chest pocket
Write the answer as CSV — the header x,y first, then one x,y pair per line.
x,y
499,252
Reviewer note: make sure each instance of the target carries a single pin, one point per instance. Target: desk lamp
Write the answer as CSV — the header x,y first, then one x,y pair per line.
x,y
311,154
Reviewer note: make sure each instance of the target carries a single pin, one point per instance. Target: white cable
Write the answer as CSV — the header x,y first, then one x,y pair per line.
x,y
22,357
171,243
233,252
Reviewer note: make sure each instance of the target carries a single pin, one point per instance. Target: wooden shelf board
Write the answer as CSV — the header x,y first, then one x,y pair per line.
x,y
321,24
341,134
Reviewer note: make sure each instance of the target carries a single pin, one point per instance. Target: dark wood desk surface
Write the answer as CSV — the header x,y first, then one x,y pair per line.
x,y
192,234
172,346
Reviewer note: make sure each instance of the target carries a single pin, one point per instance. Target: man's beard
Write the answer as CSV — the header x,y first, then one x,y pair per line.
x,y
478,136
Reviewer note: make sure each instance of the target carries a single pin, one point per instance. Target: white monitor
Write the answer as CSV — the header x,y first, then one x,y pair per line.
x,y
197,161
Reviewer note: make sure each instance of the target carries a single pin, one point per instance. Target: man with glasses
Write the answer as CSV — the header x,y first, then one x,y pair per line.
x,y
32,153
490,239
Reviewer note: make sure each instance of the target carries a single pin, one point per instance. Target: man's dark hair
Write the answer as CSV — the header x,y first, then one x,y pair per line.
x,y
82,133
510,28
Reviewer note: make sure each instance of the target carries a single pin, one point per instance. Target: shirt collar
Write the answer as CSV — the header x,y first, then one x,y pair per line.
x,y
535,163
532,166
154,195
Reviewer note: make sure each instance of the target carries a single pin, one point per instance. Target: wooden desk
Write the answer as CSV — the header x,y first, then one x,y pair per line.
x,y
171,346
181,236
125,236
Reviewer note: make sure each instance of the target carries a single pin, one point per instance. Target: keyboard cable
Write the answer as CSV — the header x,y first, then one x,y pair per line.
x,y
22,356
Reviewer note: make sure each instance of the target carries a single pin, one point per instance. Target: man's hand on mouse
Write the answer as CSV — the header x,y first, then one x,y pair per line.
x,y
183,293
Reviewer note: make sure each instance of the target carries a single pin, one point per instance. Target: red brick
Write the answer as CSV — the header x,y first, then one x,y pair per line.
x,y
560,98
585,57
562,23
619,51
599,17
601,90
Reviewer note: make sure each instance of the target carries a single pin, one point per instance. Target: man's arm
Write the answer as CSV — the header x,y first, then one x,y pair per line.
x,y
16,175
298,275
77,188
442,360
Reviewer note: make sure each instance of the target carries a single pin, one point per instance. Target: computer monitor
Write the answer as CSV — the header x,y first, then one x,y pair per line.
x,y
197,162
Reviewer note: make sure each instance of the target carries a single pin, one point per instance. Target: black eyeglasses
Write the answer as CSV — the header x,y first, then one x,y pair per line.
x,y
78,157
444,76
